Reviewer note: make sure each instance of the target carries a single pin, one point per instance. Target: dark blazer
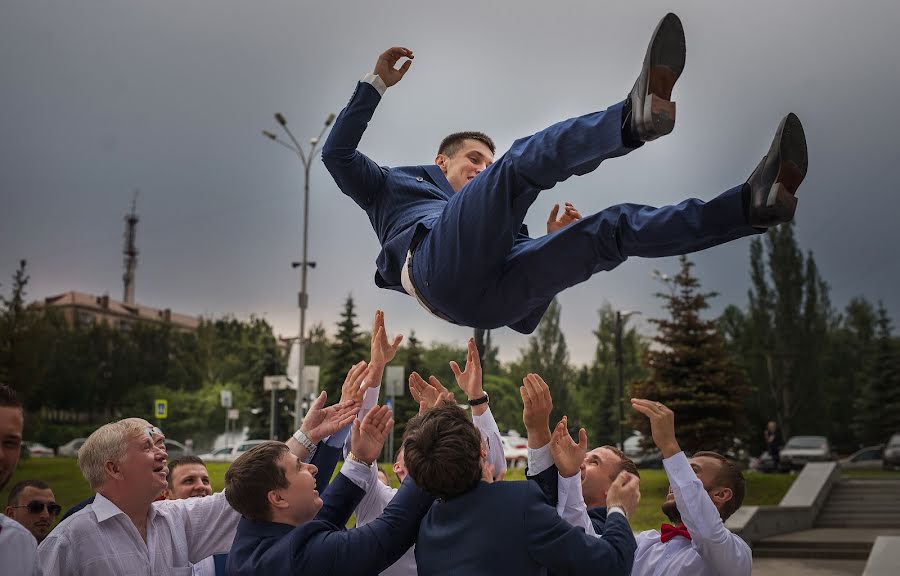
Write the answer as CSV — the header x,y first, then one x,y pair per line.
x,y
398,201
548,482
509,528
323,546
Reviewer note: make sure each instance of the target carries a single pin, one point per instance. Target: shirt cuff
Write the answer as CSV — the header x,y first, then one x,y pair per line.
x,y
376,82
358,473
679,470
539,459
486,422
567,488
616,510
370,398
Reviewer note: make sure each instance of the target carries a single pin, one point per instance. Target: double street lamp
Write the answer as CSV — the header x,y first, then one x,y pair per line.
x,y
304,264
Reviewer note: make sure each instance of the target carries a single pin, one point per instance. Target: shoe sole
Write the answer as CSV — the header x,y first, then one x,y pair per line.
x,y
667,52
793,164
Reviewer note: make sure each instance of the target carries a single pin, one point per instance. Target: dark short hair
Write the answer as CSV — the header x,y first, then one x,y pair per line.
x,y
250,478
442,451
729,476
625,463
452,143
14,492
8,398
183,460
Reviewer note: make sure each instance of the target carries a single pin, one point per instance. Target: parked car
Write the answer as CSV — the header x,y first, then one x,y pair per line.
x,y
865,458
36,450
230,453
219,455
802,449
642,458
175,449
764,463
892,453
71,447
515,450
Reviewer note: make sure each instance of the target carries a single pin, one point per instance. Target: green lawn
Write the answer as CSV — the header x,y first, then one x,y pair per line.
x,y
70,488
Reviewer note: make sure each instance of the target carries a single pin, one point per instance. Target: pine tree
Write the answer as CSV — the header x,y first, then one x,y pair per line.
x,y
691,372
349,347
877,407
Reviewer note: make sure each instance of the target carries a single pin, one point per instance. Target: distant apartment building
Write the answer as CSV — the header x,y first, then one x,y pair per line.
x,y
83,309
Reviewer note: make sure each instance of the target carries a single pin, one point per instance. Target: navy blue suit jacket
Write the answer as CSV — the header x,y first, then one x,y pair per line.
x,y
398,201
323,546
548,482
509,528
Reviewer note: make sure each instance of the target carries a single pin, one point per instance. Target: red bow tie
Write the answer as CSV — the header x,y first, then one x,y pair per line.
x,y
667,532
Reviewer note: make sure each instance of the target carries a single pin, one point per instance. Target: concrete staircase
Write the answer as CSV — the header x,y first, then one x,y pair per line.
x,y
857,511
862,503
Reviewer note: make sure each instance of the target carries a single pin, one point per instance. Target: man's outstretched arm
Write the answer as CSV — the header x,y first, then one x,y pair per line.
x,y
357,175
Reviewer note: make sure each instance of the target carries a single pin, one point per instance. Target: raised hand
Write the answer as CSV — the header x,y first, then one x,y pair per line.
x,y
382,351
355,383
368,436
625,491
428,395
321,422
570,214
567,455
662,425
470,380
537,405
384,67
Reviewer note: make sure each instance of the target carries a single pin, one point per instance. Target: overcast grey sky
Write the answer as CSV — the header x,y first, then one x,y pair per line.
x,y
100,97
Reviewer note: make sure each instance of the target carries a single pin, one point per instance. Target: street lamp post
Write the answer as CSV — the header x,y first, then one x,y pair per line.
x,y
304,264
621,317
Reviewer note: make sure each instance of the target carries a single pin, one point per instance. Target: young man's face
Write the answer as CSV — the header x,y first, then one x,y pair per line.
x,y
189,481
707,470
144,465
467,163
12,421
599,468
301,499
40,522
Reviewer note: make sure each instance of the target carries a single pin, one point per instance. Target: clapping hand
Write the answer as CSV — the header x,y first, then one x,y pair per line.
x,y
382,351
567,455
356,383
470,380
625,491
662,425
368,436
428,394
384,67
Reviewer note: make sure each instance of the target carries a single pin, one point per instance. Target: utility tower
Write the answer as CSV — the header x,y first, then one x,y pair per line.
x,y
130,251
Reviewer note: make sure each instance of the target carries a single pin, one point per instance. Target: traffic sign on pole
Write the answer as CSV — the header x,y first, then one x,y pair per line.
x,y
393,380
160,409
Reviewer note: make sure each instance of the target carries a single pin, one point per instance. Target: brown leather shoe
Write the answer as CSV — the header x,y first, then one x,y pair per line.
x,y
774,182
652,111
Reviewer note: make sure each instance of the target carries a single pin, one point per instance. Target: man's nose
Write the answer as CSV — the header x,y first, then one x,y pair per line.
x,y
311,468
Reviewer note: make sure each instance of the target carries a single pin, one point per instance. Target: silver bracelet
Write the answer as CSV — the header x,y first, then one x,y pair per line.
x,y
303,439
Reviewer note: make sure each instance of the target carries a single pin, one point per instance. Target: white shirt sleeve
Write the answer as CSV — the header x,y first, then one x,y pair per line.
x,y
210,524
571,506
376,499
539,459
376,82
359,473
724,551
370,399
491,434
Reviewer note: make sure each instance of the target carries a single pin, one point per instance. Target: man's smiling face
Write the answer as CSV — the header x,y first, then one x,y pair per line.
x,y
466,163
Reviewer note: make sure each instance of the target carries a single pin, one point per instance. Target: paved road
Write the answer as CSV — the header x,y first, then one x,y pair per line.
x,y
805,567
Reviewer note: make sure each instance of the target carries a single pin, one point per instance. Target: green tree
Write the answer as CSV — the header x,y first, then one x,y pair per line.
x,y
877,406
348,348
691,372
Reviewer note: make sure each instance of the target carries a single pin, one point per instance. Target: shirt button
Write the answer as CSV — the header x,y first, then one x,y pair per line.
x,y
419,179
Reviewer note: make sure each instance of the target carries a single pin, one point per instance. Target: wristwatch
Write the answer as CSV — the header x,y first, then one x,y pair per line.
x,y
351,457
478,401
303,439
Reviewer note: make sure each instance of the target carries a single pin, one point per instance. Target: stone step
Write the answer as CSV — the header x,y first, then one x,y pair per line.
x,y
844,523
833,553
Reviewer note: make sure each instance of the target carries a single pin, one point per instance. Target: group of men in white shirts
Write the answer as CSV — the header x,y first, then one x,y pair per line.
x,y
127,531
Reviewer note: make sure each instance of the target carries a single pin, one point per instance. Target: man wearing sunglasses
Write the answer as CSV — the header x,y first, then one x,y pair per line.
x,y
31,503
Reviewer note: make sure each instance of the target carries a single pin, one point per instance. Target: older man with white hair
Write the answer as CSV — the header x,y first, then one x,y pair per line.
x,y
125,531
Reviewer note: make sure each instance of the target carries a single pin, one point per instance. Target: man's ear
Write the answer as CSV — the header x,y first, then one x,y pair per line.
x,y
275,499
441,161
720,495
113,470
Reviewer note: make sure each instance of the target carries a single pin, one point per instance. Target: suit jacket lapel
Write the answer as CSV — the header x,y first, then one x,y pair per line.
x,y
436,176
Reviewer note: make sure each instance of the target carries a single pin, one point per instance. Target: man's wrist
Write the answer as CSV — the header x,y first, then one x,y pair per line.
x,y
354,458
669,449
538,438
306,440
616,508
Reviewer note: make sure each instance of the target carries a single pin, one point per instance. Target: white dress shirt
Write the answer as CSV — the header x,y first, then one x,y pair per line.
x,y
18,549
206,567
378,496
712,549
102,540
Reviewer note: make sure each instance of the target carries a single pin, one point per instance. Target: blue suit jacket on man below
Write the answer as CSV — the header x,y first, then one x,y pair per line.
x,y
323,546
509,528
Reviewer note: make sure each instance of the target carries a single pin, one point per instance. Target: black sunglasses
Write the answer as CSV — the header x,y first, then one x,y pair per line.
x,y
36,507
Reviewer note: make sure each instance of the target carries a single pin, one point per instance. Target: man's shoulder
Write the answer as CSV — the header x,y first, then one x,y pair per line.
x,y
13,532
